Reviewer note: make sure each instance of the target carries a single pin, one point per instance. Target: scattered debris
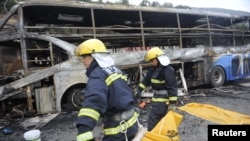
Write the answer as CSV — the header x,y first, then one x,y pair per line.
x,y
37,122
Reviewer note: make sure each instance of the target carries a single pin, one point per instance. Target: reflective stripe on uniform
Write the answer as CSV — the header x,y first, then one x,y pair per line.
x,y
159,99
161,92
122,127
85,136
173,98
142,86
156,81
113,77
90,113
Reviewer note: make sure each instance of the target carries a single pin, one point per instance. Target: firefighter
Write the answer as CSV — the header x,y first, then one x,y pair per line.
x,y
162,78
107,96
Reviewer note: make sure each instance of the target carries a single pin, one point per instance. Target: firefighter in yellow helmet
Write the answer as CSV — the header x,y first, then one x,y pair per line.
x,y
162,78
107,95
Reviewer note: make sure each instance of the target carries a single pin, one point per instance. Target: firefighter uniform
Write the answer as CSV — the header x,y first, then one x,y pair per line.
x,y
162,78
108,96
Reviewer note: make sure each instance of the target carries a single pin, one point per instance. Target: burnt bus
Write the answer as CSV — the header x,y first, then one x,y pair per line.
x,y
39,72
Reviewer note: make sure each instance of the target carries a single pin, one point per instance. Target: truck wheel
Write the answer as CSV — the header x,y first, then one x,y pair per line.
x,y
217,76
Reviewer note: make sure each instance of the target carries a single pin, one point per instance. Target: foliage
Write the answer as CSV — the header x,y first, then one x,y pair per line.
x,y
5,5
124,2
167,5
241,26
145,3
182,7
86,0
155,4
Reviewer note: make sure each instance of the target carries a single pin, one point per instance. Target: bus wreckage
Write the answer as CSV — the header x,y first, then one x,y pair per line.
x,y
40,74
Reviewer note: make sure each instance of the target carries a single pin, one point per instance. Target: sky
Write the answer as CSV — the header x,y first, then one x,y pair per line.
x,y
242,5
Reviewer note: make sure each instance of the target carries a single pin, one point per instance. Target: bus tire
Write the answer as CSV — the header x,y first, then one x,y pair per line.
x,y
217,76
73,99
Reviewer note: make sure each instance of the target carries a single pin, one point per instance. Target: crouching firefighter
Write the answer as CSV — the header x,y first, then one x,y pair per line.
x,y
107,96
162,78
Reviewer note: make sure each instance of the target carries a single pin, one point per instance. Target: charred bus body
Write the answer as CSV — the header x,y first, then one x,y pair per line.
x,y
40,74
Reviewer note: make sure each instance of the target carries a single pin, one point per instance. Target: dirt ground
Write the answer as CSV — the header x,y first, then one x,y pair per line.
x,y
232,96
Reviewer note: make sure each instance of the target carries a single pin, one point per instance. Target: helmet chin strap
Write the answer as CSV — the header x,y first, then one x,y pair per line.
x,y
158,62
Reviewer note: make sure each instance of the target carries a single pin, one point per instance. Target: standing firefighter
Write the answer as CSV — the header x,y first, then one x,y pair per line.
x,y
107,95
162,78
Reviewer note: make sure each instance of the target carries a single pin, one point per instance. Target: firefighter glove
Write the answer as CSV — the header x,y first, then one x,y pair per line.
x,y
137,93
171,107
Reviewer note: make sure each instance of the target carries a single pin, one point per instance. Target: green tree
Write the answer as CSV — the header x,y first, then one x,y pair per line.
x,y
145,3
155,4
86,1
167,5
182,7
124,2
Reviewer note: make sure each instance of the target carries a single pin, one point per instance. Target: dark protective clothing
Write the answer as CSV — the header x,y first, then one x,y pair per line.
x,y
164,83
107,94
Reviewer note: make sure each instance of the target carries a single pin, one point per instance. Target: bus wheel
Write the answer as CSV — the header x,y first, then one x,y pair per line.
x,y
217,77
74,99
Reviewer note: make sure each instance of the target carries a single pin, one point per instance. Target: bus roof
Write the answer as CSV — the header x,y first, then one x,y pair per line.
x,y
80,4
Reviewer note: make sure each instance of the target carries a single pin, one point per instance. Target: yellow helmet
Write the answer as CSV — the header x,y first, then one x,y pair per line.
x,y
90,46
153,53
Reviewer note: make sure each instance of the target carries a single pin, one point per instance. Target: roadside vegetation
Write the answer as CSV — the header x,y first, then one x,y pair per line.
x,y
5,5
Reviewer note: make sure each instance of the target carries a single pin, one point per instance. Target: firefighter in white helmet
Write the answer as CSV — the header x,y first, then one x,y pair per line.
x,y
162,78
107,95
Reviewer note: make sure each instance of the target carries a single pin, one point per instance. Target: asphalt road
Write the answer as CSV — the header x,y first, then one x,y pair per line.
x,y
232,96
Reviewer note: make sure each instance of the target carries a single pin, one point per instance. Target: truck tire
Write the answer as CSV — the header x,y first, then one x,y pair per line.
x,y
217,76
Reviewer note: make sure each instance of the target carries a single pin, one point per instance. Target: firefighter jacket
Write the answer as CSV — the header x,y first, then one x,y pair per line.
x,y
106,94
163,82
